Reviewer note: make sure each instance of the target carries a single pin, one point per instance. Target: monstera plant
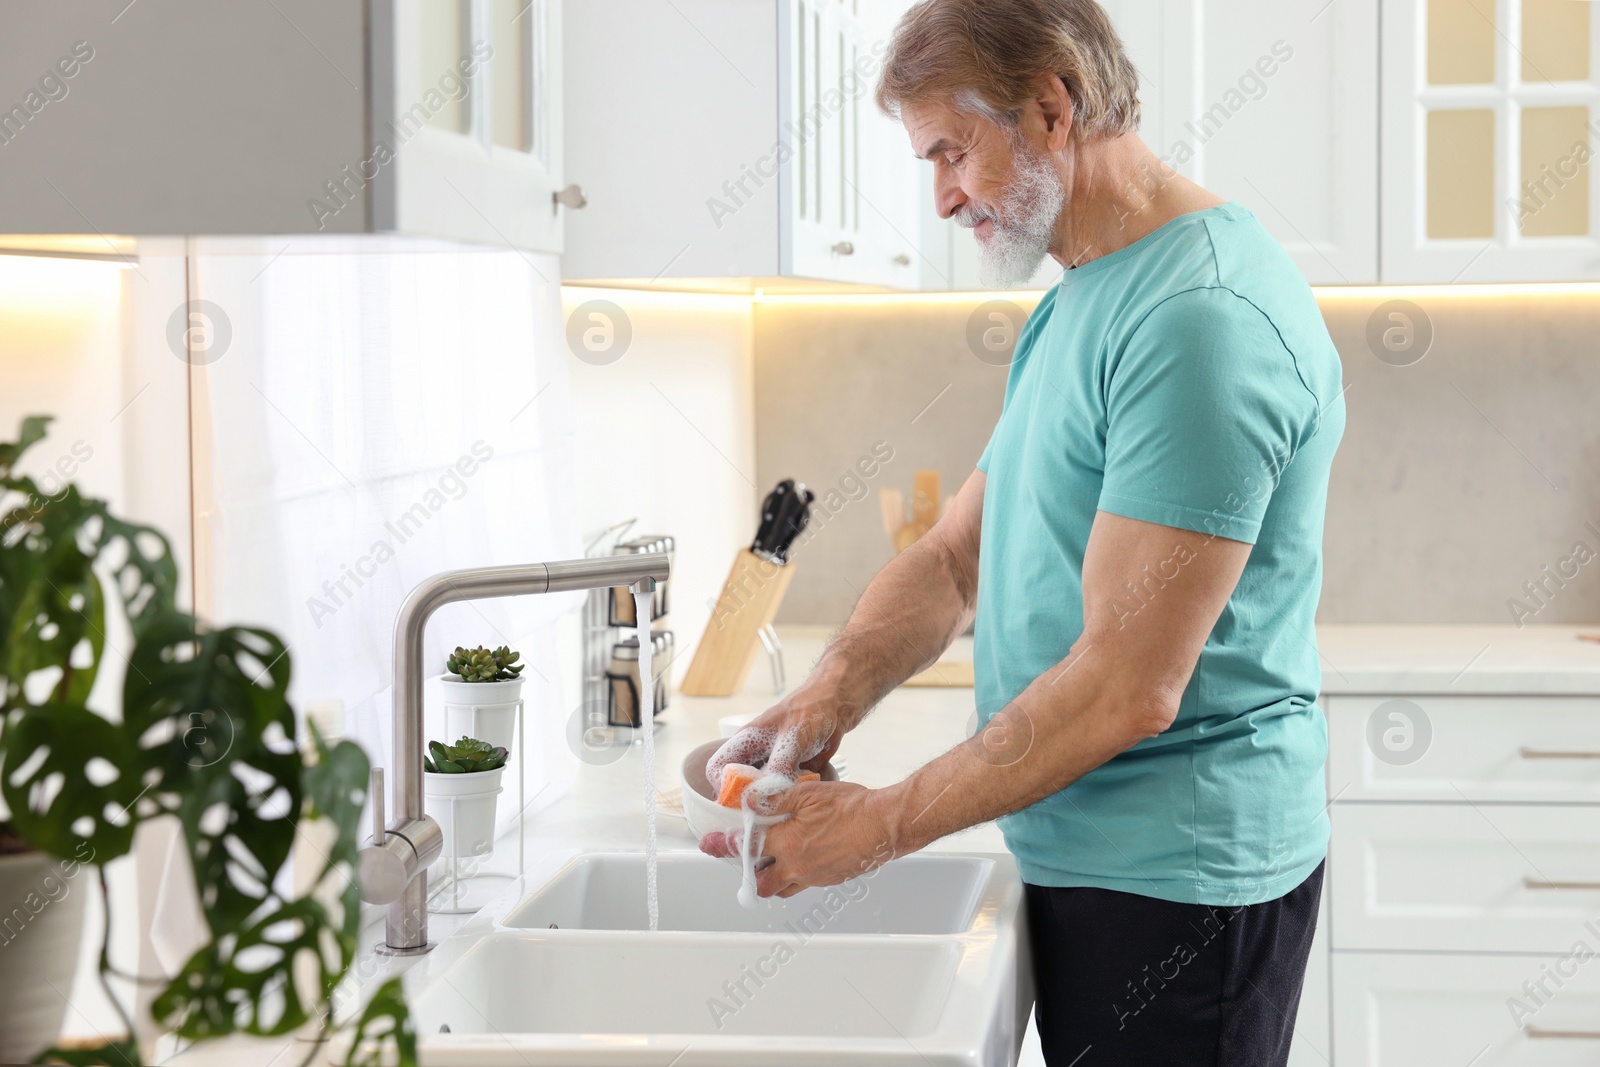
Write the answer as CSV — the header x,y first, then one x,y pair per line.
x,y
205,735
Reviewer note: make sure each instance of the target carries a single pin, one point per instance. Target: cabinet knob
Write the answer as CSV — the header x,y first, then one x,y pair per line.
x,y
902,260
844,248
571,197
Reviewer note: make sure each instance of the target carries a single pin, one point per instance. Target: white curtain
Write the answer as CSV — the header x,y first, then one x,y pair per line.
x,y
377,418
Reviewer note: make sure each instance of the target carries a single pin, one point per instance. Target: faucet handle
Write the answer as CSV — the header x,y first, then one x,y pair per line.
x,y
380,823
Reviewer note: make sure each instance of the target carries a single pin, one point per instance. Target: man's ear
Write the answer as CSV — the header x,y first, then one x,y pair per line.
x,y
1055,107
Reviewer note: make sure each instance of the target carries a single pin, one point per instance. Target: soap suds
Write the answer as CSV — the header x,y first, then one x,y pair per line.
x,y
763,794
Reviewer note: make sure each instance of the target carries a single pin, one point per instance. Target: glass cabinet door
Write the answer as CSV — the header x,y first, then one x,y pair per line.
x,y
1490,122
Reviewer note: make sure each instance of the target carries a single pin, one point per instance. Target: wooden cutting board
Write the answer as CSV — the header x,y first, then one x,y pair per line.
x,y
946,674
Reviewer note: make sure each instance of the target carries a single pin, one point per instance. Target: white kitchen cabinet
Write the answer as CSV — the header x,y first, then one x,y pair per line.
x,y
1489,120
736,139
1463,873
436,118
1272,103
1470,748
1464,878
1396,1010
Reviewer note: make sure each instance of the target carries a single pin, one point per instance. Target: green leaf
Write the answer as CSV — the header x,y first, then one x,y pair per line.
x,y
195,696
55,802
384,1020
336,789
237,982
145,573
34,427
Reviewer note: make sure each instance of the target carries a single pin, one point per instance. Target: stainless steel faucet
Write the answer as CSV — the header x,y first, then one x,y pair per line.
x,y
394,868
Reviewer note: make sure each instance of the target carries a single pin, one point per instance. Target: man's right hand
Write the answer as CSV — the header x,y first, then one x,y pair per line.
x,y
800,732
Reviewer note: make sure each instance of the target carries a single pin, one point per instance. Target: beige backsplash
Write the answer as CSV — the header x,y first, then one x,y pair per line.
x,y
1461,477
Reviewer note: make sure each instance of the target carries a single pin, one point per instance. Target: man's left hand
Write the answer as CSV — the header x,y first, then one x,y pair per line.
x,y
835,831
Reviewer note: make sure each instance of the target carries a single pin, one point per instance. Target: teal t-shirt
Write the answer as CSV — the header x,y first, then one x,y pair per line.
x,y
1186,380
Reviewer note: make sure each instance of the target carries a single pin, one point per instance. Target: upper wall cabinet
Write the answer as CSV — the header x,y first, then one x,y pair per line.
x,y
1488,129
437,118
1272,103
736,139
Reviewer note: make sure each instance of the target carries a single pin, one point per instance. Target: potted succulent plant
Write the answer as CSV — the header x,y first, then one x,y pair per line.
x,y
481,694
460,784
201,732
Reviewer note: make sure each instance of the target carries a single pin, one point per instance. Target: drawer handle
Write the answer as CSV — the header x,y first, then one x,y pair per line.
x,y
1567,1035
1545,753
1540,883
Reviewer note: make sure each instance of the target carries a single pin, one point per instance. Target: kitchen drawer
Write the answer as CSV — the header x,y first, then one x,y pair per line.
x,y
1496,748
1456,1011
1476,878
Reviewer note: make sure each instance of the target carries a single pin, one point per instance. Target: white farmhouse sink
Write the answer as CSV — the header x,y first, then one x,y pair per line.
x,y
605,891
922,962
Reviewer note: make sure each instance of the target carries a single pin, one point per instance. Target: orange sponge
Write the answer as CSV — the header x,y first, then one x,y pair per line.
x,y
736,778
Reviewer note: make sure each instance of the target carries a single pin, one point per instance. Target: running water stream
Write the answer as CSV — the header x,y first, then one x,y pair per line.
x,y
643,606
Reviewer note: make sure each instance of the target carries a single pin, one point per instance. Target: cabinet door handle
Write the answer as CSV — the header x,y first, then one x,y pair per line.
x,y
902,260
1540,883
571,197
844,248
1567,1035
1547,753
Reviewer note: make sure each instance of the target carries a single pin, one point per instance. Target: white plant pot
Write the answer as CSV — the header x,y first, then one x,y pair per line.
x,y
484,710
42,912
463,805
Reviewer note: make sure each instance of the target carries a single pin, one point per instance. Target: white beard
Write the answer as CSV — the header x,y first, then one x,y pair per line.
x,y
1024,219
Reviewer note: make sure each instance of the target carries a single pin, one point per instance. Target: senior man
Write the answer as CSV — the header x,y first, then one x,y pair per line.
x,y
1141,547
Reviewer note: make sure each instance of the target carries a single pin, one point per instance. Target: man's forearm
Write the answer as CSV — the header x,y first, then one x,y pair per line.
x,y
1070,720
909,614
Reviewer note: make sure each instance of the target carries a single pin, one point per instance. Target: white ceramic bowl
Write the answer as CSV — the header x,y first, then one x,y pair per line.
x,y
700,808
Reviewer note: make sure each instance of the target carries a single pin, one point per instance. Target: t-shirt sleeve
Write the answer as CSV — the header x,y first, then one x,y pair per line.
x,y
983,460
1204,409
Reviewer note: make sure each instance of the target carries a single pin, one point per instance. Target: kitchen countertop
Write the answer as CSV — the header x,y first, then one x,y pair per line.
x,y
1459,659
601,806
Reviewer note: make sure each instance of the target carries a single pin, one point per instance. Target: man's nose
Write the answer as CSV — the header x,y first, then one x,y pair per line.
x,y
947,195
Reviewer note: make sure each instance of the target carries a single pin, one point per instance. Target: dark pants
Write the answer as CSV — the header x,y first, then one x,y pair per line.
x,y
1128,981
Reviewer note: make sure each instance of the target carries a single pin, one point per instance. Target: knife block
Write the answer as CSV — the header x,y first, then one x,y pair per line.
x,y
749,601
